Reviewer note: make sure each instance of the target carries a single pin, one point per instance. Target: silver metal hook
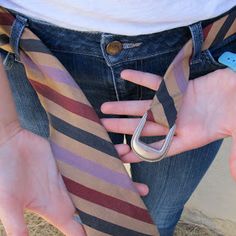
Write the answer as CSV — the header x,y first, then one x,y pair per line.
x,y
146,152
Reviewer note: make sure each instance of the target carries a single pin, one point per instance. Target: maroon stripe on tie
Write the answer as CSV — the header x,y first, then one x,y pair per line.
x,y
107,201
6,18
67,103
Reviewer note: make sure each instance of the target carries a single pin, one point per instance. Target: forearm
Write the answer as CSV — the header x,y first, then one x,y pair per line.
x,y
9,124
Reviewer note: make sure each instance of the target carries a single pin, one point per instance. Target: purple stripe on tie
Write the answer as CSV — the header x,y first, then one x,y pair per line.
x,y
58,75
92,168
179,72
53,73
28,62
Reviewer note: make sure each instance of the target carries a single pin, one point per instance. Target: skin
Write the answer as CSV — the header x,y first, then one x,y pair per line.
x,y
29,178
27,159
207,114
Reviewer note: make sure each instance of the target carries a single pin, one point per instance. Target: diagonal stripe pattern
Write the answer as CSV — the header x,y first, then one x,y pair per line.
x,y
96,179
168,98
100,188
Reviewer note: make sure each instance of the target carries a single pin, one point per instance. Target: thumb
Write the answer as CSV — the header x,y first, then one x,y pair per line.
x,y
233,158
68,224
12,217
73,227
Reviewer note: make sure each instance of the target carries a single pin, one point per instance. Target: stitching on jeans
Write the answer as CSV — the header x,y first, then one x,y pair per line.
x,y
131,45
145,57
76,53
133,58
117,63
110,66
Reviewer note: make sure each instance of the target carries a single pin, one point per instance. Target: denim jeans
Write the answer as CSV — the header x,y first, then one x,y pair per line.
x,y
85,56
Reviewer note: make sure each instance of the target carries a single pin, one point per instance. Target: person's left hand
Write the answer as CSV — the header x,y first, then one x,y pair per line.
x,y
207,114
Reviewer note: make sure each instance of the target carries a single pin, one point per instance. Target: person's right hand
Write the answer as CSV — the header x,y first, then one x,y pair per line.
x,y
29,179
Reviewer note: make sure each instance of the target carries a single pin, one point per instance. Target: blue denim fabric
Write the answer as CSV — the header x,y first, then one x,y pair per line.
x,y
84,54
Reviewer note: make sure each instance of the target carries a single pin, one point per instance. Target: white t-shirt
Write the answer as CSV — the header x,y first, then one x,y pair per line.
x,y
127,17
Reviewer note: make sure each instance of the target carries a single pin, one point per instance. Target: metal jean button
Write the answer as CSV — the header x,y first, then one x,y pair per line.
x,y
113,48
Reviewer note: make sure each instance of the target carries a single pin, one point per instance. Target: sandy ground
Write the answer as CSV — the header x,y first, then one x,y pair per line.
x,y
38,227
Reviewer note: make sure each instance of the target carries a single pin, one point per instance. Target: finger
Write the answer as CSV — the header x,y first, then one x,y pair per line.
x,y
69,226
142,189
178,145
132,108
130,157
63,218
61,211
122,149
144,79
73,227
233,159
128,126
12,217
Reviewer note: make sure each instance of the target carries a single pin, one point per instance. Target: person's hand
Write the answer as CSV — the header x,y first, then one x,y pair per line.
x,y
29,179
207,114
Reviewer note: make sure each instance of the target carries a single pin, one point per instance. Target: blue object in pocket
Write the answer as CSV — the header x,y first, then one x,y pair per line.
x,y
228,59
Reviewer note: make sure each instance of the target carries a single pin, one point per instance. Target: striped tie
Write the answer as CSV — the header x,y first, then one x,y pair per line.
x,y
99,186
168,98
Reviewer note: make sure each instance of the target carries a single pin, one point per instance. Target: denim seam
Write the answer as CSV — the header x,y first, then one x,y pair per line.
x,y
109,65
117,63
77,53
114,83
145,57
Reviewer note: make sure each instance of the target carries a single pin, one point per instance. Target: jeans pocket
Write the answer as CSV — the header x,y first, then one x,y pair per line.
x,y
213,53
208,60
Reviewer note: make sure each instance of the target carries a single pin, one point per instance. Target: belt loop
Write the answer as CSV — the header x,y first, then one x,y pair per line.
x,y
197,36
17,29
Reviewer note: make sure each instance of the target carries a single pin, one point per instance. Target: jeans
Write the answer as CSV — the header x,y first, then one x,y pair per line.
x,y
85,56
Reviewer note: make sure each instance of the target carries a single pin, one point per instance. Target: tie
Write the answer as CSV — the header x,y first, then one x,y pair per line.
x,y
99,186
168,98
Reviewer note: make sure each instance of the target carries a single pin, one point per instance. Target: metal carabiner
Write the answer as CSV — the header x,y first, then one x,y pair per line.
x,y
146,152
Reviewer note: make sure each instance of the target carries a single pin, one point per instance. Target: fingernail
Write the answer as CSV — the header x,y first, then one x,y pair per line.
x,y
122,74
77,218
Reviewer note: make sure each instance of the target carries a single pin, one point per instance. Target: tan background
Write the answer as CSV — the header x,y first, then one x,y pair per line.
x,y
214,202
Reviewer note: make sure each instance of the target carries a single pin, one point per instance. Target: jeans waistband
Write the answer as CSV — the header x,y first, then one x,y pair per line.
x,y
60,39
